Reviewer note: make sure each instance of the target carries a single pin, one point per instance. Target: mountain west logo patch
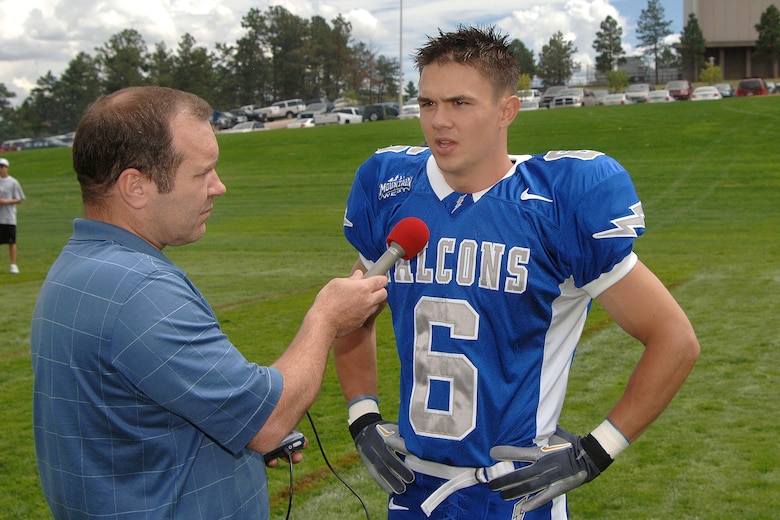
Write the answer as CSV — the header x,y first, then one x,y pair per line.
x,y
394,186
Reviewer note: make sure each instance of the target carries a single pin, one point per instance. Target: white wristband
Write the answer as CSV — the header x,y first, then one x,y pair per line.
x,y
362,407
611,439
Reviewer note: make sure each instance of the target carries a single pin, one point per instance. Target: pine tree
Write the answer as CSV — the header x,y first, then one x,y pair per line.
x,y
692,47
652,29
768,43
556,64
609,46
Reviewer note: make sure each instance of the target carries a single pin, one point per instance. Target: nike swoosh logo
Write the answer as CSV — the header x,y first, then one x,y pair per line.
x,y
555,447
392,506
384,432
530,196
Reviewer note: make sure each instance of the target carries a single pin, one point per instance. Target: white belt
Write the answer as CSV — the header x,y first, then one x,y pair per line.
x,y
457,478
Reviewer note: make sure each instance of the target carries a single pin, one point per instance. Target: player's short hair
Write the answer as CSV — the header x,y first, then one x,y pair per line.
x,y
484,49
130,128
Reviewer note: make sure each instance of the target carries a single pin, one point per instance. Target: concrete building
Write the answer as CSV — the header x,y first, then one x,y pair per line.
x,y
729,28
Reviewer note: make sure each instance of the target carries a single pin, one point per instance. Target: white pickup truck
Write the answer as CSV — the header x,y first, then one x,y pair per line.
x,y
340,116
289,109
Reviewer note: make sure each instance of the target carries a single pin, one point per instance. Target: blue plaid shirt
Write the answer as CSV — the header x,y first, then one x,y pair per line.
x,y
142,407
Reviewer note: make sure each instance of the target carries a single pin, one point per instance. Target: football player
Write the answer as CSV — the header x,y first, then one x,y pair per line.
x,y
487,317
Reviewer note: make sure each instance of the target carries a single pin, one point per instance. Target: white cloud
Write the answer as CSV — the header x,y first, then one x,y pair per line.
x,y
365,26
45,35
577,20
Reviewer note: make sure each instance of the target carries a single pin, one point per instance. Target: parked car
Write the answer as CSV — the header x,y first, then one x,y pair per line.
x,y
638,92
328,104
340,116
410,112
246,126
600,95
549,95
530,104
679,89
574,97
529,99
222,120
66,139
313,109
12,145
618,98
661,96
288,108
34,143
251,112
307,122
725,89
380,111
529,94
344,102
240,115
707,93
752,87
533,94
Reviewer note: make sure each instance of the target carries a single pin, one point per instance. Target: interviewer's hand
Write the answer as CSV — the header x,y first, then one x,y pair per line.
x,y
568,461
296,458
345,304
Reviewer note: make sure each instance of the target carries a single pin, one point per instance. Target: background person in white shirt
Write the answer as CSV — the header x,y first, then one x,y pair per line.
x,y
11,194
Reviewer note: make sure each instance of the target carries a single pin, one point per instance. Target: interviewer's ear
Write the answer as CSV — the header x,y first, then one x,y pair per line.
x,y
135,187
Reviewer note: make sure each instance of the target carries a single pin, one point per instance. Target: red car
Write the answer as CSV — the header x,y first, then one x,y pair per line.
x,y
680,89
752,87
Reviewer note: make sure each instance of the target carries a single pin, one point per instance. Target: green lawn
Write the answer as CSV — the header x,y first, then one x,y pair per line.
x,y
708,175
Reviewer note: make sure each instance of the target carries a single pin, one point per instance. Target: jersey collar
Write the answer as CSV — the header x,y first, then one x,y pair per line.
x,y
442,189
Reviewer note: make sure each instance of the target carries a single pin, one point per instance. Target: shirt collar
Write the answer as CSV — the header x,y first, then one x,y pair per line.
x,y
87,229
442,189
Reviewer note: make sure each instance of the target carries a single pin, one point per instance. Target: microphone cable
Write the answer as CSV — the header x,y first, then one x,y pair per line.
x,y
332,469
289,500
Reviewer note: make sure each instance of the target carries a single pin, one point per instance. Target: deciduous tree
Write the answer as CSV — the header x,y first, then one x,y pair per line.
x,y
524,57
279,56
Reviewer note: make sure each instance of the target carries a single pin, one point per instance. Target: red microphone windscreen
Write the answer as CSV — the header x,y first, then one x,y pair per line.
x,y
410,233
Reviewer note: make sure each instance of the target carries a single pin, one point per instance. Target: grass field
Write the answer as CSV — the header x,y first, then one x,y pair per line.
x,y
709,178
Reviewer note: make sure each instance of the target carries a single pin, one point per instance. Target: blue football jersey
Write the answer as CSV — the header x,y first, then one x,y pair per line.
x,y
488,315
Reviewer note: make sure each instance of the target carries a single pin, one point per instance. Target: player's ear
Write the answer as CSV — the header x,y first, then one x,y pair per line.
x,y
511,106
135,187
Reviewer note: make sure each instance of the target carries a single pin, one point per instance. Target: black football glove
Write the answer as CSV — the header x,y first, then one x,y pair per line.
x,y
568,461
378,444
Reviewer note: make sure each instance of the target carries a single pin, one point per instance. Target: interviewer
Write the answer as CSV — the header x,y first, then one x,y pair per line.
x,y
142,406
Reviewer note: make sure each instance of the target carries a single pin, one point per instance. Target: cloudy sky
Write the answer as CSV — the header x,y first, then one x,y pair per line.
x,y
38,36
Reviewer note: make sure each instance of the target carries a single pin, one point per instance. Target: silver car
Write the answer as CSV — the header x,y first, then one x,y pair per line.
x,y
618,98
639,92
574,97
660,96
